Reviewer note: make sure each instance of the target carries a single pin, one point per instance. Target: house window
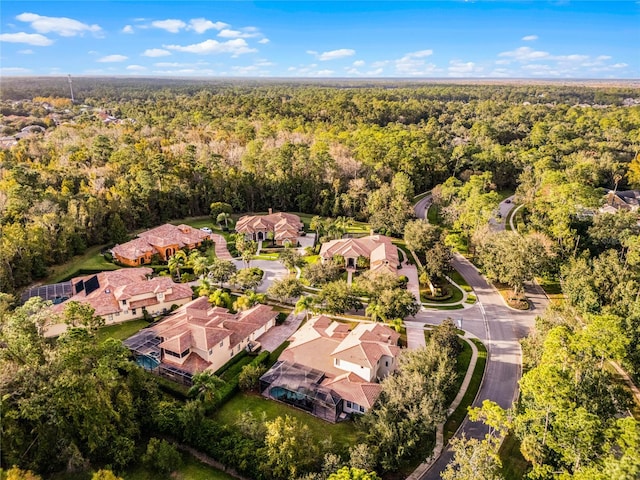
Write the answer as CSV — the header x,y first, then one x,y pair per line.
x,y
231,354
124,302
361,408
222,343
133,312
386,363
117,314
337,362
348,404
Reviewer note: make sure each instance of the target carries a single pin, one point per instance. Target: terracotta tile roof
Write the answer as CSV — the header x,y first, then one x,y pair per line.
x,y
162,236
367,343
280,223
118,285
378,248
202,326
192,364
354,389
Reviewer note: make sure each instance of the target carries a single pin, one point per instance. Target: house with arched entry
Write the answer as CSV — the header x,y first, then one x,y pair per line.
x,y
163,241
377,250
282,227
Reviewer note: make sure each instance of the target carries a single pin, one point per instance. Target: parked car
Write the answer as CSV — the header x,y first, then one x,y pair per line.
x,y
508,200
206,230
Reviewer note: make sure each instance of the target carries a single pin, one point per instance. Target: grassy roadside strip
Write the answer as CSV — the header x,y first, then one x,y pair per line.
x,y
514,466
456,418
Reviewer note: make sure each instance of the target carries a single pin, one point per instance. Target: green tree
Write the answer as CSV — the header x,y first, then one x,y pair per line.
x,y
15,473
177,261
162,457
473,458
337,297
393,303
247,278
248,300
305,303
217,208
290,258
117,230
221,270
320,273
78,314
289,448
105,475
249,378
421,236
352,473
205,387
286,289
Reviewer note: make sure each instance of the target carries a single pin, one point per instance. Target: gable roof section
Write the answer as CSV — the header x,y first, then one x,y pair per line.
x,y
197,324
284,225
352,388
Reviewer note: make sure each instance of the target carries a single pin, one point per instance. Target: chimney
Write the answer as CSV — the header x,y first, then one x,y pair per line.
x,y
270,211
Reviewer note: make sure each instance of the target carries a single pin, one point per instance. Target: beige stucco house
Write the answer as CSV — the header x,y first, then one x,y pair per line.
x,y
332,371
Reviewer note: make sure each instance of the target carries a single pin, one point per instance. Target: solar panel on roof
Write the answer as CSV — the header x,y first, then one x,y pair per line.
x,y
79,286
92,284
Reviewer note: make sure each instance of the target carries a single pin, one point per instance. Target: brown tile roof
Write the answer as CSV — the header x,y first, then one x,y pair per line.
x,y
279,223
378,248
124,283
202,326
354,389
162,236
367,343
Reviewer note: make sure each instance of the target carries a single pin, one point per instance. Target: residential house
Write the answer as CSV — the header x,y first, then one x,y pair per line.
x,y
332,371
199,336
163,241
124,294
283,226
381,253
628,200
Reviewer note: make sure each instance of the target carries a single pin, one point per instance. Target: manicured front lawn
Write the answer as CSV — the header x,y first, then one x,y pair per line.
x,y
344,434
121,331
553,289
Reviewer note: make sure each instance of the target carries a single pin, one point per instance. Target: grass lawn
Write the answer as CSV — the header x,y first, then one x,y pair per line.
x,y
121,331
344,434
191,469
407,254
89,260
514,466
196,222
458,415
310,259
553,289
455,295
459,279
461,368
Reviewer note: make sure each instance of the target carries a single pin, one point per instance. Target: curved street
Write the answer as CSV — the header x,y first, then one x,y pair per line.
x,y
499,327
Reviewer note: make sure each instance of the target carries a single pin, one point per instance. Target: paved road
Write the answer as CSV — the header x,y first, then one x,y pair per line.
x,y
500,328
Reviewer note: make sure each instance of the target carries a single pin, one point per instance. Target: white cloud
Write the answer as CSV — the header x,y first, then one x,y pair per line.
x,y
155,52
127,29
136,68
201,25
171,25
179,65
414,64
28,38
524,54
263,41
212,47
112,59
463,69
358,63
28,51
247,32
530,38
325,73
619,65
66,27
13,70
333,54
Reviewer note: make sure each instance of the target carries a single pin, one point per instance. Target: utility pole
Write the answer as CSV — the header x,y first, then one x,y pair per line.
x,y
71,88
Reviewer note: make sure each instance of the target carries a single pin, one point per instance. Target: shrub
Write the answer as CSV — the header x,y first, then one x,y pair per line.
x,y
162,456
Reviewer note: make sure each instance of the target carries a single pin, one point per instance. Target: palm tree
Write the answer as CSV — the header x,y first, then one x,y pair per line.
x,y
223,217
205,387
374,310
176,262
396,324
306,303
199,264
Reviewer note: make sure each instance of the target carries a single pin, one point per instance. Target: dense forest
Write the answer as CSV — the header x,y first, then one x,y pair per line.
x,y
176,147
133,153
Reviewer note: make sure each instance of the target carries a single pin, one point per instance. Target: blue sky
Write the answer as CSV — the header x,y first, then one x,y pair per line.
x,y
416,39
